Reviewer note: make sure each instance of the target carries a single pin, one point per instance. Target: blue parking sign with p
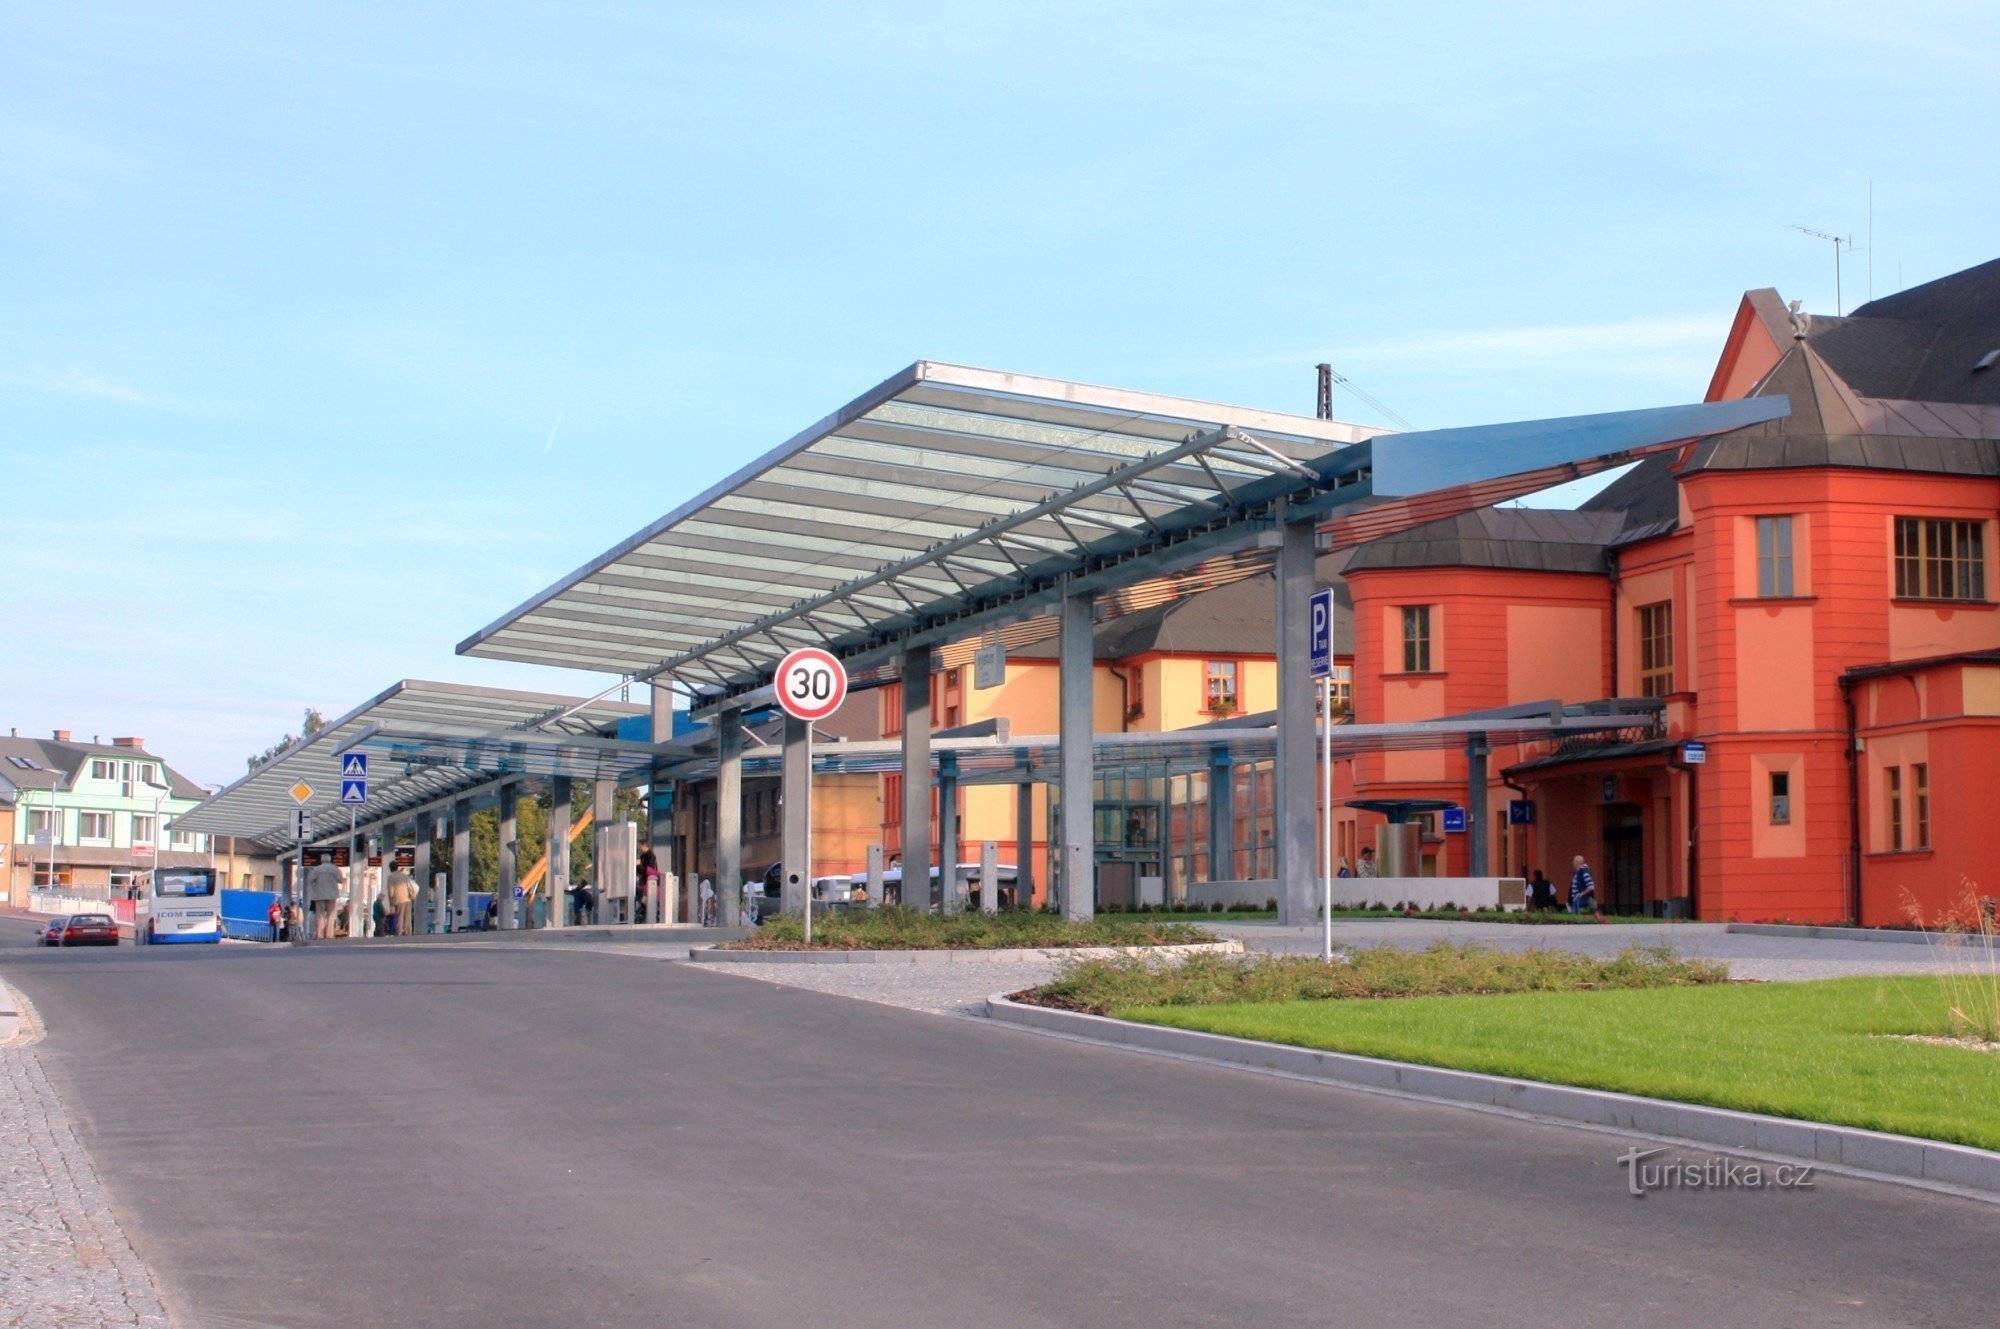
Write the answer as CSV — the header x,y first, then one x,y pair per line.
x,y
1321,622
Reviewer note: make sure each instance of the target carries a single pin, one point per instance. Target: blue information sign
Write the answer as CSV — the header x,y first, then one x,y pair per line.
x,y
1322,633
354,791
1520,812
1694,753
1454,819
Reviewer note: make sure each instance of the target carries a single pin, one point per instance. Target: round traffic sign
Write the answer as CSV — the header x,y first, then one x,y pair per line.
x,y
810,683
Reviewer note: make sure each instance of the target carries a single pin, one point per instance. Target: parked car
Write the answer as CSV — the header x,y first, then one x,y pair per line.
x,y
84,930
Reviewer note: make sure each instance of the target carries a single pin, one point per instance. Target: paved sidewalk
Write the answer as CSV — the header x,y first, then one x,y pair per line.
x,y
64,1262
939,987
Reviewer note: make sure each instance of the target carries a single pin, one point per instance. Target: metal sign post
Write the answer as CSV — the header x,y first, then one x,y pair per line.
x,y
1321,623
301,795
811,684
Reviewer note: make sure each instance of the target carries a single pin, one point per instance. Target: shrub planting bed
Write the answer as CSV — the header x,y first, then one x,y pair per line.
x,y
894,929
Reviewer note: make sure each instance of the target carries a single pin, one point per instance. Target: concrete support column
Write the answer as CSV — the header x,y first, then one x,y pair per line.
x,y
603,807
795,808
1024,843
729,819
1295,799
510,863
1076,733
425,913
555,883
989,877
916,776
461,863
1477,833
660,839
947,793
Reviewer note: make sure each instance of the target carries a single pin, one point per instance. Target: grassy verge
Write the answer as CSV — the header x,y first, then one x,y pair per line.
x,y
1110,987
1812,1051
892,929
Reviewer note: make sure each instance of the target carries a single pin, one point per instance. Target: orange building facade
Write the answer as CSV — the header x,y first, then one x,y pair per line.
x,y
1808,601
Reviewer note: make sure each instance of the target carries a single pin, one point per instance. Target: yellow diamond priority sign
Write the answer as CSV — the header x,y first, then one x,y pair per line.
x,y
301,793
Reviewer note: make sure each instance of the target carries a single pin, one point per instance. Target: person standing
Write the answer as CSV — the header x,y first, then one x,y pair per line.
x,y
402,893
1582,888
707,903
322,891
275,915
1367,866
650,880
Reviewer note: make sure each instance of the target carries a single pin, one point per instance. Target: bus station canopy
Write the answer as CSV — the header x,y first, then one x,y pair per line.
x,y
996,759
948,500
259,806
941,487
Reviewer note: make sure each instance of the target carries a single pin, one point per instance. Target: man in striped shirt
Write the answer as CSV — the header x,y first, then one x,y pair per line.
x,y
1582,888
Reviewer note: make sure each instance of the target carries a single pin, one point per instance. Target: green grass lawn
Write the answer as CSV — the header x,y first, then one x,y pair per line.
x,y
1802,1050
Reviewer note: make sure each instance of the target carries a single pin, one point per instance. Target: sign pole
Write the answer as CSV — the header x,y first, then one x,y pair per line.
x,y
809,835
1326,810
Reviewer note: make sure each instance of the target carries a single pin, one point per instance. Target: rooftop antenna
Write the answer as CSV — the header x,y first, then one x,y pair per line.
x,y
1871,242
1327,378
1841,244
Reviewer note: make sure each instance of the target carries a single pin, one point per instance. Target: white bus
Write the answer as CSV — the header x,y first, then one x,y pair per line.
x,y
182,905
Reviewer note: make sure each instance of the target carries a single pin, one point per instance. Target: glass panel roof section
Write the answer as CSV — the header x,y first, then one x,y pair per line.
x,y
927,458
259,806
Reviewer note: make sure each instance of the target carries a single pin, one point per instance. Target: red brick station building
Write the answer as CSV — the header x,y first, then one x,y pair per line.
x,y
1809,600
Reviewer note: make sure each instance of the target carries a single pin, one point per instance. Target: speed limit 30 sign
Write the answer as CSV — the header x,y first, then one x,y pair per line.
x,y
810,684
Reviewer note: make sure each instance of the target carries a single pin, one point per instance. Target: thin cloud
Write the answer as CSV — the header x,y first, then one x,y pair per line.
x,y
79,382
552,432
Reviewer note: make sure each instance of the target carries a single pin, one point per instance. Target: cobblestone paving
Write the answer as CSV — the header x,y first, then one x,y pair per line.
x,y
63,1259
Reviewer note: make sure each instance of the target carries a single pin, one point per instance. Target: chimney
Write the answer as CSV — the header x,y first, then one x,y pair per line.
x,y
61,735
129,742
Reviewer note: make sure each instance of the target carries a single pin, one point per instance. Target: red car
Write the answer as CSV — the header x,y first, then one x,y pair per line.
x,y
81,930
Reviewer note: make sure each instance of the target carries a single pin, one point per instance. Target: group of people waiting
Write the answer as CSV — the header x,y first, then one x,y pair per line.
x,y
327,911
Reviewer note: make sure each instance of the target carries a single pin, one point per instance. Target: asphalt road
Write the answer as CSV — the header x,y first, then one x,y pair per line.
x,y
471,1136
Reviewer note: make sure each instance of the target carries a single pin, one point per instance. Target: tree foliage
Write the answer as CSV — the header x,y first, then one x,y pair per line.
x,y
311,724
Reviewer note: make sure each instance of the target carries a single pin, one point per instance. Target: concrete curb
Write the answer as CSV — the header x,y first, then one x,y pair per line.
x,y
710,955
1873,1154
19,1025
1814,932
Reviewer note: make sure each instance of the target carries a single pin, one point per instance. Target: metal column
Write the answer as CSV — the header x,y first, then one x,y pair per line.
x,y
460,909
1476,829
1076,732
603,807
509,864
1221,817
1294,815
916,776
660,839
729,819
795,805
426,909
357,883
555,882
947,794
1024,842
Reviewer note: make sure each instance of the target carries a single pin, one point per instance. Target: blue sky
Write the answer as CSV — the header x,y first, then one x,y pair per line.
x,y
329,333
